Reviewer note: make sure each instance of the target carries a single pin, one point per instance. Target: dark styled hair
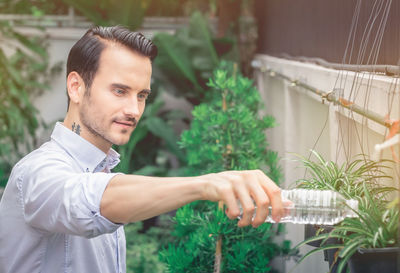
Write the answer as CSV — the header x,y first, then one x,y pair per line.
x,y
84,56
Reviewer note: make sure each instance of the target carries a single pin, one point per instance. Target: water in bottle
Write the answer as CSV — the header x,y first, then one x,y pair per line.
x,y
321,207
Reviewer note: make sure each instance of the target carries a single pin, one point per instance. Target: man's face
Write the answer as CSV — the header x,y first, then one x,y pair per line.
x,y
116,100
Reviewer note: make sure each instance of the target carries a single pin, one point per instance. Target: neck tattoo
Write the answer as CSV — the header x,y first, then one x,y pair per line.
x,y
76,128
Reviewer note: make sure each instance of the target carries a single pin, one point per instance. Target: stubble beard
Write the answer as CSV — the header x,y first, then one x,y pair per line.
x,y
91,123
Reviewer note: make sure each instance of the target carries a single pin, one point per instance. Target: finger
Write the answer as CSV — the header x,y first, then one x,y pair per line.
x,y
262,203
274,196
287,207
247,205
230,201
226,193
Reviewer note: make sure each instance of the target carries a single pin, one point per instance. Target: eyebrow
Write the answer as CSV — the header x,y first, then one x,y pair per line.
x,y
120,86
148,91
128,88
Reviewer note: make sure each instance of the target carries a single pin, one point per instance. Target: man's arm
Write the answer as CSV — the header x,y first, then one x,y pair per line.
x,y
129,198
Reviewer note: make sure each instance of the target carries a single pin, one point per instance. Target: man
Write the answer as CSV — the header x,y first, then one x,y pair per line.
x,y
62,209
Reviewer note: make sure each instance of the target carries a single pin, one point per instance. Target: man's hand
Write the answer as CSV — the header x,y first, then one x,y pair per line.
x,y
245,186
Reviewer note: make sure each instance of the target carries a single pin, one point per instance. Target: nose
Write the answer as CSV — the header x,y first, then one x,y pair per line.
x,y
132,108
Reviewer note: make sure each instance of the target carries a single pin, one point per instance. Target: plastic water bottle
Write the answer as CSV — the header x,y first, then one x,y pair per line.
x,y
321,207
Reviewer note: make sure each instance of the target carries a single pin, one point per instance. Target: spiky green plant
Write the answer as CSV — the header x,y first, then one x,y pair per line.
x,y
347,179
376,226
378,219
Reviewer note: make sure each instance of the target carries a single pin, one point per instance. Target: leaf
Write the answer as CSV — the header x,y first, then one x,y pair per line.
x,y
174,55
353,229
13,73
200,31
159,128
30,45
343,263
312,239
318,249
350,248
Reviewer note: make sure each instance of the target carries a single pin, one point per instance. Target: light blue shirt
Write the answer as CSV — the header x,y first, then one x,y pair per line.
x,y
50,217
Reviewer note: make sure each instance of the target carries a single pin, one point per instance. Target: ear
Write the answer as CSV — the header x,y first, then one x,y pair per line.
x,y
75,87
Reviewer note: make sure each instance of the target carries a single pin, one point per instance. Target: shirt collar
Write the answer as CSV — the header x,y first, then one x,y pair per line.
x,y
88,156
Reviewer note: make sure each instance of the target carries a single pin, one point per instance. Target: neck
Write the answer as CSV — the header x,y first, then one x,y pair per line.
x,y
74,123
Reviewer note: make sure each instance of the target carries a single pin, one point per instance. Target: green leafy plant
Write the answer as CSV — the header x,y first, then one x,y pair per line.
x,y
378,219
232,138
226,134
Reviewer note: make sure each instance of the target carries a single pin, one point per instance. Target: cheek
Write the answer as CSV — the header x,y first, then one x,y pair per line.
x,y
103,113
141,106
107,104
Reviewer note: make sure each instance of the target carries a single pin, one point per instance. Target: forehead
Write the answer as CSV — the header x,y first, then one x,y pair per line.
x,y
121,63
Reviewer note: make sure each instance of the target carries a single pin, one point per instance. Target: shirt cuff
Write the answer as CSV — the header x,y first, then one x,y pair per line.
x,y
94,191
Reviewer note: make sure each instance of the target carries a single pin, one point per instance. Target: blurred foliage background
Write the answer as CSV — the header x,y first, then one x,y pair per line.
x,y
24,73
162,8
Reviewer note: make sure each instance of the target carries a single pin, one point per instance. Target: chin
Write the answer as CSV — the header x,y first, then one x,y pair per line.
x,y
120,141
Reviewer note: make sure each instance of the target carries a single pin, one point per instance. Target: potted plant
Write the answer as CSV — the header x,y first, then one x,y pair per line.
x,y
373,232
369,241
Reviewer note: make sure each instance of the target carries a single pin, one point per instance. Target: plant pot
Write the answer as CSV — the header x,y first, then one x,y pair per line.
x,y
329,254
382,260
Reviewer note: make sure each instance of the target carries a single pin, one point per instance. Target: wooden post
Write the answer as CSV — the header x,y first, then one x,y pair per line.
x,y
218,249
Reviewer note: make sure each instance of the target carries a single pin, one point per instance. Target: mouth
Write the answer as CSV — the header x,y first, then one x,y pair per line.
x,y
125,124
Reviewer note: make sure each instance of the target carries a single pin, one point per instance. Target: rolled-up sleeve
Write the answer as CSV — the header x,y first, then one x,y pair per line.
x,y
58,200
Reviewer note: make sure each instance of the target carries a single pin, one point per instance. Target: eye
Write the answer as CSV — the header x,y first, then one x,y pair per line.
x,y
119,91
143,96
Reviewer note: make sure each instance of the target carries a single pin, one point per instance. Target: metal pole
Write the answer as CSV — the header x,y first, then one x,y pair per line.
x,y
329,96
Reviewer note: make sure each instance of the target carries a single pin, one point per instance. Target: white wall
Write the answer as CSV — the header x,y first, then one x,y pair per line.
x,y
302,118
